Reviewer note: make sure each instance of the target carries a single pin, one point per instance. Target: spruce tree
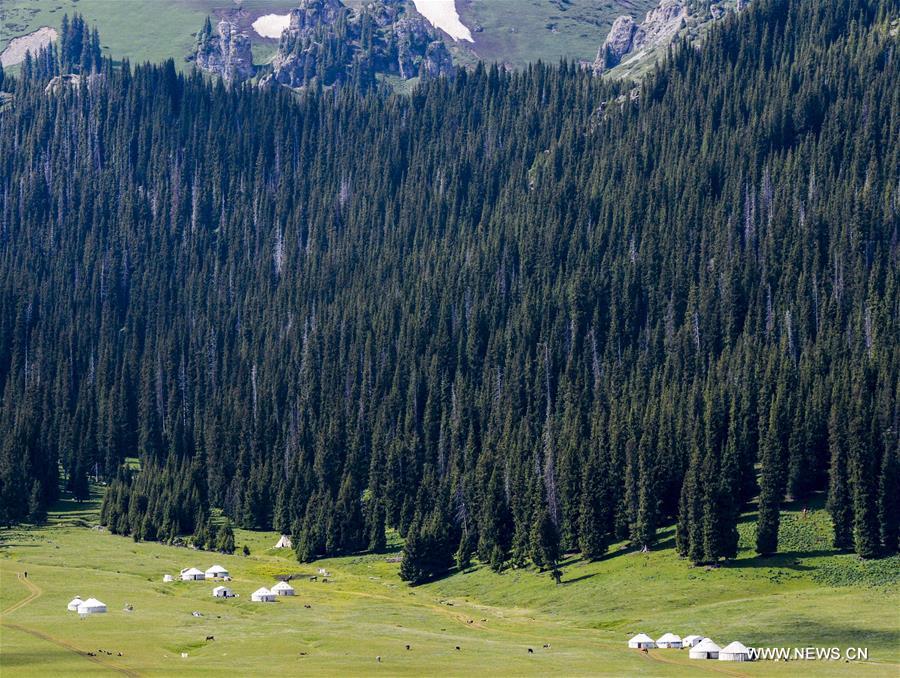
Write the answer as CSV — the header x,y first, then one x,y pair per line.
x,y
592,539
771,491
839,501
36,512
544,542
225,538
889,497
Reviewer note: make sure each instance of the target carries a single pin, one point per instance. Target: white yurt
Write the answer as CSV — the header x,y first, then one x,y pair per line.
x,y
92,606
734,652
263,595
74,603
690,641
282,588
168,577
705,649
642,642
222,592
284,542
216,572
669,640
192,574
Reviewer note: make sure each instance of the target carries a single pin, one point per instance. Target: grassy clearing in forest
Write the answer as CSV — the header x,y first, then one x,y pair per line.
x,y
365,610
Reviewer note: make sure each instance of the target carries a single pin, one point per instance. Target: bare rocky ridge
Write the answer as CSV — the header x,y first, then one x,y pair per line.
x,y
327,41
629,40
227,54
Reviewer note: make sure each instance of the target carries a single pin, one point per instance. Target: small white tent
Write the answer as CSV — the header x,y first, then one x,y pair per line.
x,y
282,588
690,641
262,595
216,572
641,642
705,649
669,640
222,592
74,603
284,542
168,578
192,574
92,606
734,652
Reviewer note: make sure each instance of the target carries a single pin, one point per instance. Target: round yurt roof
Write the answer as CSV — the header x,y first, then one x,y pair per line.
x,y
262,592
707,645
688,639
641,638
192,570
735,648
91,603
669,638
217,568
282,586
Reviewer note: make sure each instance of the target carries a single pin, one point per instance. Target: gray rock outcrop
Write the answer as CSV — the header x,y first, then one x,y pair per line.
x,y
626,37
329,42
227,54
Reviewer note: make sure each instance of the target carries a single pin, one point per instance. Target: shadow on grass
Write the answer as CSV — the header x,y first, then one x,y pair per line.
x,y
575,580
789,560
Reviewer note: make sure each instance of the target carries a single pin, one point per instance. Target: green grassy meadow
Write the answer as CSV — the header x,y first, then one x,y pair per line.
x,y
514,31
808,596
140,30
521,31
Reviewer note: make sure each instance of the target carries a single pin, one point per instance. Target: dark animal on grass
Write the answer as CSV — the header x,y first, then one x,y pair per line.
x,y
530,651
407,647
210,637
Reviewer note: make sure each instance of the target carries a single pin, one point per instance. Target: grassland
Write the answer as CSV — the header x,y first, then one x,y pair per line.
x,y
807,596
140,30
512,31
520,31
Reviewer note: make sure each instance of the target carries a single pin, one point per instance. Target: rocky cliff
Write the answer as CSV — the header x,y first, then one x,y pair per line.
x,y
330,43
629,41
226,54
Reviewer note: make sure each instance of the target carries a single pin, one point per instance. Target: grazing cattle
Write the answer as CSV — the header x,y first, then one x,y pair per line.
x,y
314,578
307,606
546,646
644,650
530,651
378,659
457,647
470,622
210,637
407,647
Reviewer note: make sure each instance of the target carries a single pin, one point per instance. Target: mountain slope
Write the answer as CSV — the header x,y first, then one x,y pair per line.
x,y
488,315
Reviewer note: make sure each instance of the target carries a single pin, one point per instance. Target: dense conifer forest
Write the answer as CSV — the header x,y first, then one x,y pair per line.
x,y
511,315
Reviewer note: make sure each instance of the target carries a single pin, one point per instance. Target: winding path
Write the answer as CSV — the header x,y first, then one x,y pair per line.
x,y
35,592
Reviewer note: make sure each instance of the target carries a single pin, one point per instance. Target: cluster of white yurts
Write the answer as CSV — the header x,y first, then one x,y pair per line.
x,y
698,647
86,607
219,573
